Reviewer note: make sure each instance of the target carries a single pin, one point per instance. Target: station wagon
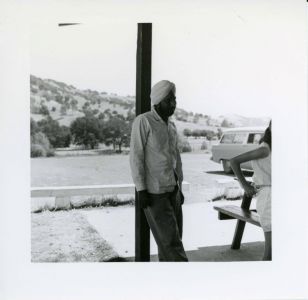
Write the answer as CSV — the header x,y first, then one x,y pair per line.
x,y
236,141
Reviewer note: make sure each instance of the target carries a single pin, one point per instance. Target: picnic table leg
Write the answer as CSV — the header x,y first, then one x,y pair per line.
x,y
240,225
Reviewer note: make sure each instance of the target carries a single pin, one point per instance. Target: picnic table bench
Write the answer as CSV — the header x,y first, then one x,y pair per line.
x,y
243,214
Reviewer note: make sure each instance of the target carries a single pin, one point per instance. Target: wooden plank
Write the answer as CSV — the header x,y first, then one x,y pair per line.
x,y
143,104
222,216
239,213
240,225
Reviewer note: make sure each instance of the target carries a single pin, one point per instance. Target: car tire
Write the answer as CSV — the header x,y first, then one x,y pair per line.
x,y
226,166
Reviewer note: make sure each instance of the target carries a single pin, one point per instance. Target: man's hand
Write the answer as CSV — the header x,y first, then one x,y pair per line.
x,y
144,199
182,198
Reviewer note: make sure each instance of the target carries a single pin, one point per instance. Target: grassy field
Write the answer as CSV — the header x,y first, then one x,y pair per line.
x,y
199,171
109,169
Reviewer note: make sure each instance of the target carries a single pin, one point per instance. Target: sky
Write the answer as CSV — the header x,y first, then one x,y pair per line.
x,y
223,59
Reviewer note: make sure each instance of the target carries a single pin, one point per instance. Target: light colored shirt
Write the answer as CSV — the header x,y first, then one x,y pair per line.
x,y
262,169
154,154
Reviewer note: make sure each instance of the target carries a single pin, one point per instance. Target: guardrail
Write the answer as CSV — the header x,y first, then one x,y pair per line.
x,y
88,190
60,196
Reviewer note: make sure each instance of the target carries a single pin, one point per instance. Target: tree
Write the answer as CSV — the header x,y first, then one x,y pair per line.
x,y
219,133
196,119
63,137
33,127
86,131
107,112
101,116
130,115
59,136
44,110
95,111
34,90
210,134
59,98
116,131
196,133
74,104
225,123
63,109
187,132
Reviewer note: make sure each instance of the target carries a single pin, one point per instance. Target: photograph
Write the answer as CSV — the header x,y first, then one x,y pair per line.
x,y
137,135
197,156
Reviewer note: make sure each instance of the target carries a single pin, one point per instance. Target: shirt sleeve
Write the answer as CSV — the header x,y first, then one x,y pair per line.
x,y
136,157
178,169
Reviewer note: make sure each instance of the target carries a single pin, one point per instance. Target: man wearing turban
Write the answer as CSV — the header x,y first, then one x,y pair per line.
x,y
156,169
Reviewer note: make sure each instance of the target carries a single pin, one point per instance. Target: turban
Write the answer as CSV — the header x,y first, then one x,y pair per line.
x,y
160,90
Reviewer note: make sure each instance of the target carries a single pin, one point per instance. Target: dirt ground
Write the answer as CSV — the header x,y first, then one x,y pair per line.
x,y
66,236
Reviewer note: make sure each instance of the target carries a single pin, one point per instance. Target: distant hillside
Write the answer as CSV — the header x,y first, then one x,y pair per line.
x,y
65,103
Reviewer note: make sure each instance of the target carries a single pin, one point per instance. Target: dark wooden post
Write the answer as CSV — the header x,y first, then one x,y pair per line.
x,y
143,104
240,225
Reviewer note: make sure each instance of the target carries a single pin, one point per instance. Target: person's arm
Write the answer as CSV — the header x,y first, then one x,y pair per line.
x,y
179,169
236,162
137,158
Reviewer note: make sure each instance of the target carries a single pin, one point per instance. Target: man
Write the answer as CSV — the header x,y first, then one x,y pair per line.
x,y
156,169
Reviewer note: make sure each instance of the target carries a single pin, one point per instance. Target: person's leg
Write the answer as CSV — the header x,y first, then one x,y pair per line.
x,y
162,221
177,206
264,211
268,246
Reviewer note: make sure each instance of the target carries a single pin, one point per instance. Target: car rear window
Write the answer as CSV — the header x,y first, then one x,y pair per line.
x,y
227,138
240,138
254,138
234,138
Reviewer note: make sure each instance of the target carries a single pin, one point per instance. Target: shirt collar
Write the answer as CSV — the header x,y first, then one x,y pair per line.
x,y
157,116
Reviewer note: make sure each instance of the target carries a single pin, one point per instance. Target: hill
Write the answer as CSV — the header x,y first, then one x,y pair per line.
x,y
65,103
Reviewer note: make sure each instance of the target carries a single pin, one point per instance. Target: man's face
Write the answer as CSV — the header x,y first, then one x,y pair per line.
x,y
168,105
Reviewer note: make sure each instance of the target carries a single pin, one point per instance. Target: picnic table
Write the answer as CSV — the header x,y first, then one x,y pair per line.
x,y
243,214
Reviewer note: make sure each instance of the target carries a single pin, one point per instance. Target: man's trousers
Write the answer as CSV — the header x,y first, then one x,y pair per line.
x,y
165,218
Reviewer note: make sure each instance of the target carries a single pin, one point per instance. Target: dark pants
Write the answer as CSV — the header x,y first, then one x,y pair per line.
x,y
165,219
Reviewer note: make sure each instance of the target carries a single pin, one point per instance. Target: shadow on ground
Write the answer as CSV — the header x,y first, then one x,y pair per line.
x,y
246,173
247,252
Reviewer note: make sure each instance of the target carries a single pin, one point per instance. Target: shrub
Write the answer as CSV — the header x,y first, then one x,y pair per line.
x,y
37,150
183,144
186,147
50,152
41,139
204,146
58,136
40,145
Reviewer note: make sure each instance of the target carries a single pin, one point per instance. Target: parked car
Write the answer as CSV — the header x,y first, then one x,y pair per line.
x,y
236,141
